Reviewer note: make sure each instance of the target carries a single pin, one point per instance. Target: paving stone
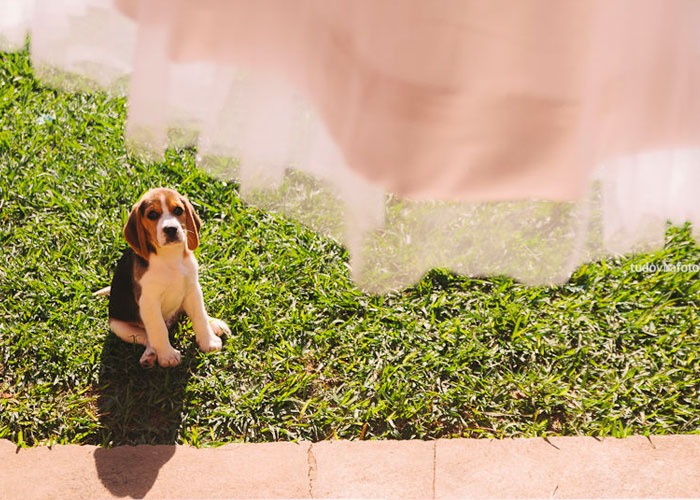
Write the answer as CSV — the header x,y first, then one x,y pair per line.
x,y
266,470
569,467
372,469
271,470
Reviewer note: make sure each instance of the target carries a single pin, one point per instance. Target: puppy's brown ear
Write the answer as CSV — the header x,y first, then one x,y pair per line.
x,y
135,234
193,225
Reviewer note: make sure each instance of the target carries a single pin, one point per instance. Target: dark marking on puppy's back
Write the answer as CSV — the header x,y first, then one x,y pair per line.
x,y
126,290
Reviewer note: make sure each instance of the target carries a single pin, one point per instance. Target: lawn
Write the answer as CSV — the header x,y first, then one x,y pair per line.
x,y
615,351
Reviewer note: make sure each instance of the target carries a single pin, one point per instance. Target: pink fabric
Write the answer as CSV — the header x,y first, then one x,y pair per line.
x,y
518,137
465,100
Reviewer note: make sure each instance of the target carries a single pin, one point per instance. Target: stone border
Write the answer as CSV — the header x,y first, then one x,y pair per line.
x,y
563,467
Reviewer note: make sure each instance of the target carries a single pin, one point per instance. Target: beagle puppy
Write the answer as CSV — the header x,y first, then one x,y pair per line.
x,y
156,279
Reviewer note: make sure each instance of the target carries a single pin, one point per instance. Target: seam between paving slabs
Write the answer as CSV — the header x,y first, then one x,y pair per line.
x,y
311,468
434,468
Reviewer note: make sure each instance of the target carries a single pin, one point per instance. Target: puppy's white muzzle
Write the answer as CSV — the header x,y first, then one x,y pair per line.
x,y
170,231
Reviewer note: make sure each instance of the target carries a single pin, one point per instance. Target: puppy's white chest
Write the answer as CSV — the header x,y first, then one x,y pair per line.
x,y
173,296
169,282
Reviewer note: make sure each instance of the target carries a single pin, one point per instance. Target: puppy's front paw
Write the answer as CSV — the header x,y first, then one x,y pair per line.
x,y
209,343
219,327
148,358
168,357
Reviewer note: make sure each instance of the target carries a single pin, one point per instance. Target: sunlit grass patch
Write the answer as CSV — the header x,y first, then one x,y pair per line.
x,y
612,352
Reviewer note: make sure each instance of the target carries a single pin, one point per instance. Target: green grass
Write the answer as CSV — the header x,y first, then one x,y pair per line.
x,y
615,351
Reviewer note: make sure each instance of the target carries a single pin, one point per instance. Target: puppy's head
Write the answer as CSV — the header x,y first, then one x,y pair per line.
x,y
162,218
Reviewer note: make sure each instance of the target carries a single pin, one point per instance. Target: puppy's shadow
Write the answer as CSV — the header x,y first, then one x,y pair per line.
x,y
137,406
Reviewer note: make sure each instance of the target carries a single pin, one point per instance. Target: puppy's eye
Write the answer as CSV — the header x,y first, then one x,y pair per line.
x,y
153,215
178,211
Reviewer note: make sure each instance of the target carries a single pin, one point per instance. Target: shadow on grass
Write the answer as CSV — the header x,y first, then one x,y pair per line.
x,y
137,407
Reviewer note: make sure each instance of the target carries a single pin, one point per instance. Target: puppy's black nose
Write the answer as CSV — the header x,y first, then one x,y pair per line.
x,y
170,231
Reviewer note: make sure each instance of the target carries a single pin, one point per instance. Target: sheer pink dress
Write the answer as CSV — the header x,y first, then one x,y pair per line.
x,y
481,136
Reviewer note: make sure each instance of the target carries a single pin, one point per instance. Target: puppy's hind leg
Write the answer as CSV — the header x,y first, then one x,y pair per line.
x,y
134,334
128,332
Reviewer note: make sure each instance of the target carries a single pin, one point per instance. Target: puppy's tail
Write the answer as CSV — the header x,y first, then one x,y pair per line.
x,y
102,292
